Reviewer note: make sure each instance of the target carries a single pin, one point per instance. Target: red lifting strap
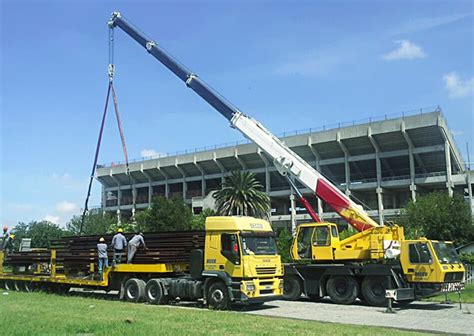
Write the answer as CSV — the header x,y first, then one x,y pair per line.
x,y
99,141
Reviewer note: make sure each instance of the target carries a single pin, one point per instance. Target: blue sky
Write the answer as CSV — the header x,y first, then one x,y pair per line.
x,y
291,65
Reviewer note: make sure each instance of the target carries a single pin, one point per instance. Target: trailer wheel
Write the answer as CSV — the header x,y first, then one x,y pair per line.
x,y
134,290
9,285
292,288
27,286
218,296
154,292
342,289
17,285
373,290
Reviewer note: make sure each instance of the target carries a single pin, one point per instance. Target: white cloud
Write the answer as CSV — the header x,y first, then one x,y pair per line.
x,y
66,207
458,87
405,50
52,219
147,153
425,23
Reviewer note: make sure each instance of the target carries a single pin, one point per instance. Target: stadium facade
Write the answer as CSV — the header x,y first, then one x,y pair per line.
x,y
381,162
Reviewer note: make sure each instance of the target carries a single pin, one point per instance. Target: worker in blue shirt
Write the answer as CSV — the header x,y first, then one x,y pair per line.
x,y
102,255
118,244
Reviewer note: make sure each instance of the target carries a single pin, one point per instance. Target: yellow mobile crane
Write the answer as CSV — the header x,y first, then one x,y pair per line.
x,y
364,265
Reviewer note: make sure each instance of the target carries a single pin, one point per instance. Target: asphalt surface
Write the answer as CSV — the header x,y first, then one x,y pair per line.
x,y
420,316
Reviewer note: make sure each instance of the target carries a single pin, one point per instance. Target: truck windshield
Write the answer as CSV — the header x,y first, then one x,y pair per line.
x,y
446,253
258,244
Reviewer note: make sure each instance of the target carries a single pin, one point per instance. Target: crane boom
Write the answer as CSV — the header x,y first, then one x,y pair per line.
x,y
286,161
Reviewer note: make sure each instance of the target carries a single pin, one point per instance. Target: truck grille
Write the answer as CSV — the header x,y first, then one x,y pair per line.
x,y
266,270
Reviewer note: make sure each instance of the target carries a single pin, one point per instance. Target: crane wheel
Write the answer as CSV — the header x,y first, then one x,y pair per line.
x,y
373,290
154,292
218,296
292,288
342,289
134,290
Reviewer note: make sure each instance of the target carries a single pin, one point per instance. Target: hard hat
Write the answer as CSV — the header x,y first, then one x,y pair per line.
x,y
102,239
5,228
120,230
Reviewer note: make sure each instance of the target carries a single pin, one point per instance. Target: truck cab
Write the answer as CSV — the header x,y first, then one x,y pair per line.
x,y
241,252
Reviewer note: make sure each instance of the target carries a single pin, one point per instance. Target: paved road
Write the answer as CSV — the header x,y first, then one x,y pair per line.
x,y
422,316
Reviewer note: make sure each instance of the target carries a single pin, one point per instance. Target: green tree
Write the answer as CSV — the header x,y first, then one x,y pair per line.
x,y
438,216
171,214
242,195
284,242
94,223
41,233
198,221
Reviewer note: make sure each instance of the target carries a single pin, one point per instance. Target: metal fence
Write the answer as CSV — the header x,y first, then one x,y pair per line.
x,y
469,273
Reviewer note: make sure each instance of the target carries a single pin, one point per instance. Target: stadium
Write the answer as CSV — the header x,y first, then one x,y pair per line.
x,y
381,162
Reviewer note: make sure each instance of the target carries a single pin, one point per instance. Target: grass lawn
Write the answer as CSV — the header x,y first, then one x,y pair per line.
x,y
467,296
41,313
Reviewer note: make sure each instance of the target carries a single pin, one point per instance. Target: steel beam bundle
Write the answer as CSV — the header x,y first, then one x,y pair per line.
x,y
77,253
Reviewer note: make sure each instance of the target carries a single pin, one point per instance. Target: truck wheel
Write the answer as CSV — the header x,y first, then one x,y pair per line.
x,y
9,285
17,286
134,290
154,292
218,296
292,288
27,286
342,289
373,290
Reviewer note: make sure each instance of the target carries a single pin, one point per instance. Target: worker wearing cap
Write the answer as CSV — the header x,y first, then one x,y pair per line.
x,y
102,254
133,246
119,243
7,245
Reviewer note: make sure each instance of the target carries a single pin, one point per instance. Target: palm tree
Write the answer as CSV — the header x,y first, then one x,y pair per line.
x,y
242,194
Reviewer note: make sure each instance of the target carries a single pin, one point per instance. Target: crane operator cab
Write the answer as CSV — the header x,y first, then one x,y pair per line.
x,y
315,241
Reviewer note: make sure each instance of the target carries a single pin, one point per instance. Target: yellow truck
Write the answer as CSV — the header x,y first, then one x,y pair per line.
x,y
238,263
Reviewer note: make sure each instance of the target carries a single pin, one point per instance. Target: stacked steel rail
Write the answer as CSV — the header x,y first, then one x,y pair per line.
x,y
78,252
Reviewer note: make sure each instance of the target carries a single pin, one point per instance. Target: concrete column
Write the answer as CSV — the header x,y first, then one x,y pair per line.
x,y
379,192
447,154
318,168
104,198
411,159
267,171
162,173
221,168
181,171
203,180
347,168
237,157
378,167
150,187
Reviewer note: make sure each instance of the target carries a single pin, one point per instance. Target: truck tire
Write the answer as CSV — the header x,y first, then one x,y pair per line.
x,y
218,296
17,286
27,286
154,292
292,288
342,289
9,285
134,290
373,290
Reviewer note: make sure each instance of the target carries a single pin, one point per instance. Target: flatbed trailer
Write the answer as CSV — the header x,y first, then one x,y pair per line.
x,y
237,264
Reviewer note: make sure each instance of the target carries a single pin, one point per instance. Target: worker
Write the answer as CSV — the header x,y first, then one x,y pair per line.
x,y
102,255
133,246
4,237
118,244
7,245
